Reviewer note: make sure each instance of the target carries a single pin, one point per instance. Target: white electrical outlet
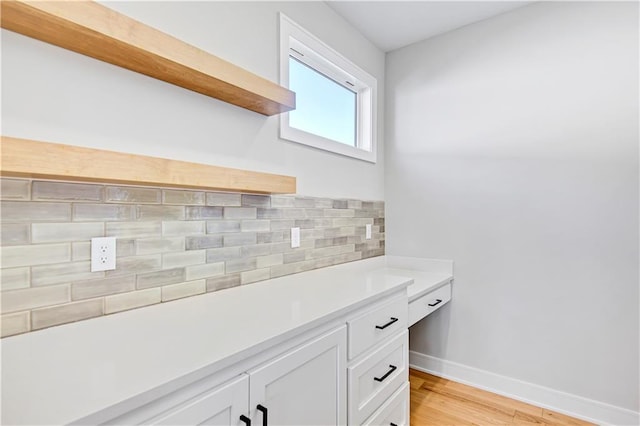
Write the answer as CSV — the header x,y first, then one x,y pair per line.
x,y
367,232
295,237
103,254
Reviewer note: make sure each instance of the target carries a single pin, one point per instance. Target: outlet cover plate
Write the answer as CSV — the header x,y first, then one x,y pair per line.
x,y
103,254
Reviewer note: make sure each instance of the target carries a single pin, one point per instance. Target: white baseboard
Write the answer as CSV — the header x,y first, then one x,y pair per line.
x,y
562,402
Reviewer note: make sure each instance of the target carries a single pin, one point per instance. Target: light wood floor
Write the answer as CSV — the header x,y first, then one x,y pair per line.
x,y
438,401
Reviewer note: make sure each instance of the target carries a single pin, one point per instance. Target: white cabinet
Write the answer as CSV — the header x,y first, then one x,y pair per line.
x,y
429,302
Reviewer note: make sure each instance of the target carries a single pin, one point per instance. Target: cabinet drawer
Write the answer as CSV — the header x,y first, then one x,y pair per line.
x,y
393,412
376,325
374,379
424,305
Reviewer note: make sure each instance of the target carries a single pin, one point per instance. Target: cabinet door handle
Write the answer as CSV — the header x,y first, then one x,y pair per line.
x,y
265,412
392,368
382,327
438,301
392,424
245,419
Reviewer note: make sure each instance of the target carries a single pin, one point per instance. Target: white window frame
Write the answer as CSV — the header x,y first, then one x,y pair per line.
x,y
317,55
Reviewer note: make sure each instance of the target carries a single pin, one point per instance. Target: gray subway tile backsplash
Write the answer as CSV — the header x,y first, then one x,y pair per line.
x,y
171,243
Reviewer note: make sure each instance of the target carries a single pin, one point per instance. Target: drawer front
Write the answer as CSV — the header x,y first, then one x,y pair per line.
x,y
424,305
376,325
393,412
376,377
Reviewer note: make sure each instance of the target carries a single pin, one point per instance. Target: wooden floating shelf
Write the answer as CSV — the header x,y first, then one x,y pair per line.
x,y
44,160
94,30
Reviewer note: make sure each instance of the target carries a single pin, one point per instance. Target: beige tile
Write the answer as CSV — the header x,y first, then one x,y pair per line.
x,y
124,194
13,234
271,260
181,228
36,297
160,278
132,300
90,289
354,204
45,275
133,229
70,231
64,314
372,253
160,245
30,211
192,257
330,251
254,276
255,225
14,278
48,190
178,291
160,212
15,189
223,199
136,264
17,323
102,212
39,254
220,283
207,270
174,196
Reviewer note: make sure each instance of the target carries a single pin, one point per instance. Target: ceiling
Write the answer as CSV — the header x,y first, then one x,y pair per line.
x,y
391,25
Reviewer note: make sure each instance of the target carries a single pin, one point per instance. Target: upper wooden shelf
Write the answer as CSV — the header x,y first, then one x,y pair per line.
x,y
44,160
94,30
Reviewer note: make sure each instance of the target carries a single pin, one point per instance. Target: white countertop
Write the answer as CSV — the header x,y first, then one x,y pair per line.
x,y
61,374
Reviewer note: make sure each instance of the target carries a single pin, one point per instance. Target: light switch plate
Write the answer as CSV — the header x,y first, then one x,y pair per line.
x,y
295,237
103,254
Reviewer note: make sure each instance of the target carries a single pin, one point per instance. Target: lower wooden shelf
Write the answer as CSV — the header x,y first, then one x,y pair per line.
x,y
44,160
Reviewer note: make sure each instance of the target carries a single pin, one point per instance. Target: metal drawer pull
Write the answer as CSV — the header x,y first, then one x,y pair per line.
x,y
392,424
246,420
264,411
382,327
438,301
392,368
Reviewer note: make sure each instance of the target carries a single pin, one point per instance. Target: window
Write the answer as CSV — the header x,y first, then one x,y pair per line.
x,y
335,100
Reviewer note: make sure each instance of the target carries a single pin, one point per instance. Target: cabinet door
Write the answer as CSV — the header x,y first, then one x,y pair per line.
x,y
220,406
304,386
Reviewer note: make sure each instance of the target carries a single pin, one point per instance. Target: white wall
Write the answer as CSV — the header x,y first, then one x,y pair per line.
x,y
512,148
55,95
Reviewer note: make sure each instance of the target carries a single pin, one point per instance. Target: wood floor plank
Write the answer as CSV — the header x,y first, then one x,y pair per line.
x,y
439,401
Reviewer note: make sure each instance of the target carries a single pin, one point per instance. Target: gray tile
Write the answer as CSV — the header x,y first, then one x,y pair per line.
x,y
305,202
368,245
312,233
378,221
255,276
16,323
185,258
291,268
340,204
339,213
294,213
160,212
90,289
160,278
132,300
280,225
15,189
68,231
203,242
314,213
354,204
30,298
47,190
102,212
270,237
372,253
240,213
126,194
208,270
239,239
256,250
269,213
322,222
305,223
327,242
133,229
136,264
27,211
181,228
188,289
270,260
351,221
205,212
64,314
185,198
38,254
369,213
240,265
294,256
14,278
255,225
160,245
44,275
223,199
323,203
282,201
227,281
221,254
220,226
344,231
251,200
15,234
330,251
